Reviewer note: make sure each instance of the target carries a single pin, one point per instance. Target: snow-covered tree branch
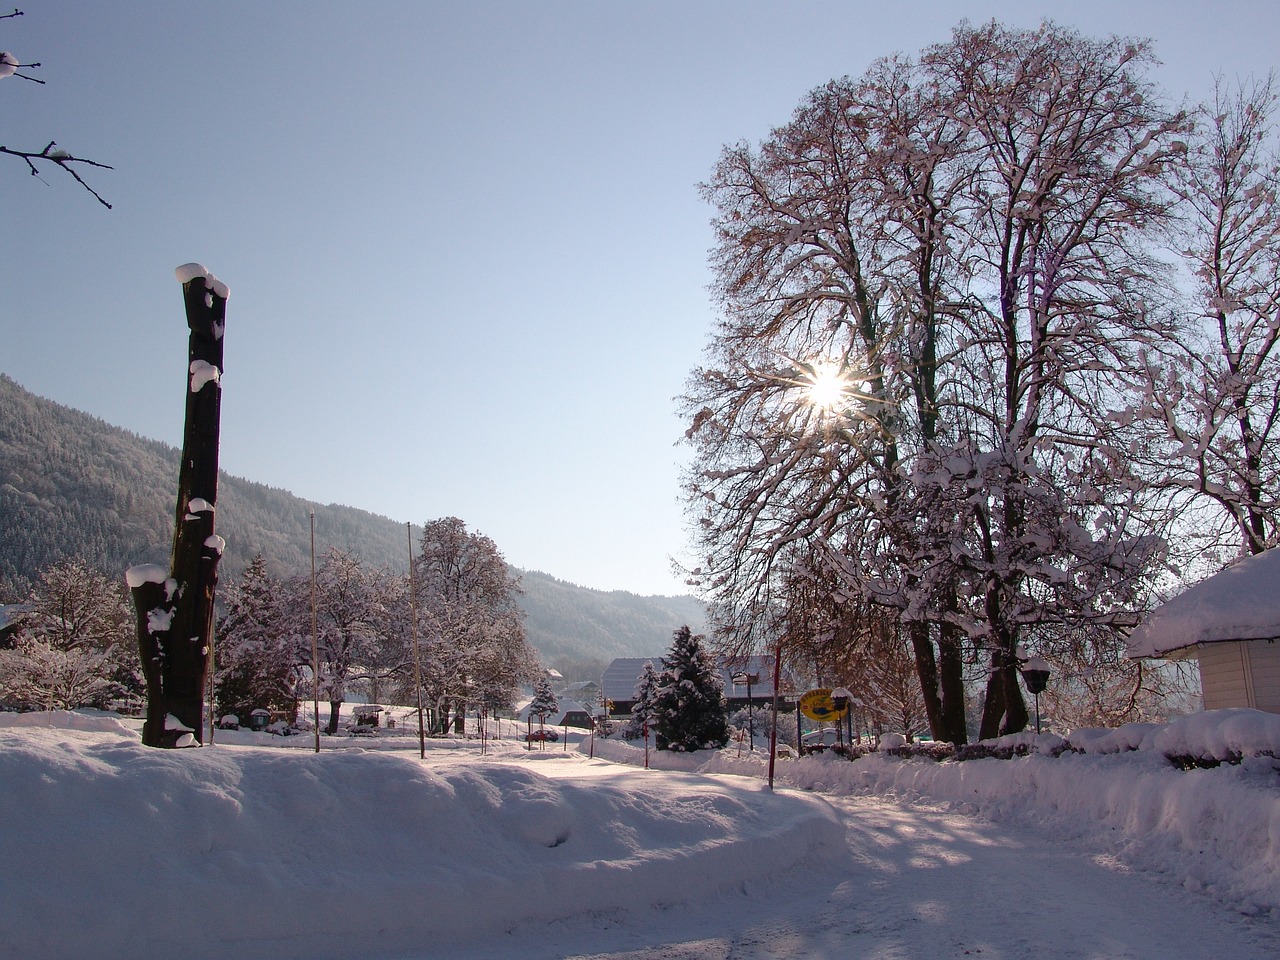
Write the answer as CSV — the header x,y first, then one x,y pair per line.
x,y
51,155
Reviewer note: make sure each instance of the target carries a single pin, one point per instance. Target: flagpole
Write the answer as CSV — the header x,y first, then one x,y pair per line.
x,y
417,662
315,649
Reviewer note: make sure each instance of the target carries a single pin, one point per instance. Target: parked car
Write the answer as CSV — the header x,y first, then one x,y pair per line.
x,y
818,740
547,735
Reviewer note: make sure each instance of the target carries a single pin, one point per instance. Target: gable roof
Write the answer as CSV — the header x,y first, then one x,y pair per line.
x,y
622,675
1241,602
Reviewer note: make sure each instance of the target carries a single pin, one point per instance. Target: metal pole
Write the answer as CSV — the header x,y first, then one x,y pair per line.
x,y
773,729
212,706
315,649
417,664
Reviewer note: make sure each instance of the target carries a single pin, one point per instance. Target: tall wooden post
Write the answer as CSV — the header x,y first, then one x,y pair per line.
x,y
175,612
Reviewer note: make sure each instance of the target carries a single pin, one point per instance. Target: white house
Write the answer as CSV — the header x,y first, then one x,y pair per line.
x,y
1230,623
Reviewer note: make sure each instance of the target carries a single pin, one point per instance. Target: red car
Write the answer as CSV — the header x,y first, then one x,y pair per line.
x,y
548,735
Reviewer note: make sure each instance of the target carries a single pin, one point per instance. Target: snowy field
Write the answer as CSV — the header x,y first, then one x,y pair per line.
x,y
257,848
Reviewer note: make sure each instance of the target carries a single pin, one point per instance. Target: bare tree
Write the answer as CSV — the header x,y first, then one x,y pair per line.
x,y
72,647
475,646
349,606
960,244
1214,385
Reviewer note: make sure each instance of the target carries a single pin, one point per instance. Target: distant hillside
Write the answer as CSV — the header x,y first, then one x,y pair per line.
x,y
578,630
73,485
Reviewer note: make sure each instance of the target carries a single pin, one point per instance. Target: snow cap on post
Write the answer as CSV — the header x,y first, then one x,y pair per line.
x,y
190,271
142,573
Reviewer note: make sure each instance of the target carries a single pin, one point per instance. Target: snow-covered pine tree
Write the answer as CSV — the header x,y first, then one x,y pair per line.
x,y
688,706
257,664
544,702
642,709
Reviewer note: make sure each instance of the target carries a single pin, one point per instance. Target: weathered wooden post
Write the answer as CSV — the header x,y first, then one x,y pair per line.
x,y
174,607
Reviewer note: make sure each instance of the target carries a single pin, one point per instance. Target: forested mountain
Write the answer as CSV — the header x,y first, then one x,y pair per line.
x,y
579,630
73,485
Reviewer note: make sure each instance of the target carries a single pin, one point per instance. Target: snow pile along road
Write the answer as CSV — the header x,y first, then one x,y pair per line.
x,y
112,850
1214,830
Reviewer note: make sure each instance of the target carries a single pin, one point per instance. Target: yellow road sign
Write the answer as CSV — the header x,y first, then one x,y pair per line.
x,y
818,705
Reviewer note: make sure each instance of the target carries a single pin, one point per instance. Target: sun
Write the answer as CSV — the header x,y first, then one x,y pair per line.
x,y
828,388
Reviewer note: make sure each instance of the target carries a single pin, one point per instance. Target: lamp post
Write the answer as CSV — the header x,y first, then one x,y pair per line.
x,y
843,701
1035,674
749,679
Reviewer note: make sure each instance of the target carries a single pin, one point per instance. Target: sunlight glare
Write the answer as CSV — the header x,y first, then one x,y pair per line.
x,y
828,389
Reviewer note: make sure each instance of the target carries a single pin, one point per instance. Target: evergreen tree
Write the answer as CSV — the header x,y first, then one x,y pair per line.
x,y
544,702
256,662
689,706
643,707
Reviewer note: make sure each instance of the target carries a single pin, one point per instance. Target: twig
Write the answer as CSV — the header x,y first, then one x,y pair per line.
x,y
62,159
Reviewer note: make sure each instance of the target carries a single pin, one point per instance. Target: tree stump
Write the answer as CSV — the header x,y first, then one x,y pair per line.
x,y
174,608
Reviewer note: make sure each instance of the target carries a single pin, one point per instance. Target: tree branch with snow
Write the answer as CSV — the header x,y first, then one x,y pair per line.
x,y
52,154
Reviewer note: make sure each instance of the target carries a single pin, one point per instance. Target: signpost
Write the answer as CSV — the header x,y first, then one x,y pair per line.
x,y
749,679
824,706
819,705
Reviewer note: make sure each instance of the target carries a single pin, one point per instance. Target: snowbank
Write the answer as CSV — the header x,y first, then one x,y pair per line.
x,y
1213,830
111,849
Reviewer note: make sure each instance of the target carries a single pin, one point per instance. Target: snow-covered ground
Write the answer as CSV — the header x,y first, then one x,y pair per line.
x,y
251,850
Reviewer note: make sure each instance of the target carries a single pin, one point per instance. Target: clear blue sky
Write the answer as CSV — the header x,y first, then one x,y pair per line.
x,y
466,251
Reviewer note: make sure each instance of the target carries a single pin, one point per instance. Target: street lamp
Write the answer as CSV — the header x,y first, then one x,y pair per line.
x,y
1035,673
749,679
843,700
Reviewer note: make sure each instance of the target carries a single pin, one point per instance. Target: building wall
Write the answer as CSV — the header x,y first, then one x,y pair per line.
x,y
1264,658
1241,674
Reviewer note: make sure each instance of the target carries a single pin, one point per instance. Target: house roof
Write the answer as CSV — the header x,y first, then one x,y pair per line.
x,y
566,707
759,667
10,613
622,675
1241,602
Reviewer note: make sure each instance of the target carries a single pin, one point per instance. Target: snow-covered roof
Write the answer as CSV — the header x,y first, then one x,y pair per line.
x,y
1241,602
622,675
11,612
761,667
566,707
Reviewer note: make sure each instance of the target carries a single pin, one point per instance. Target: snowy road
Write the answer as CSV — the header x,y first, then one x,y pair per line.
x,y
365,851
922,884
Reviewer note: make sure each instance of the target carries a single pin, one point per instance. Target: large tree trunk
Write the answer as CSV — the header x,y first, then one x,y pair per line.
x,y
1004,710
175,614
953,728
927,672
